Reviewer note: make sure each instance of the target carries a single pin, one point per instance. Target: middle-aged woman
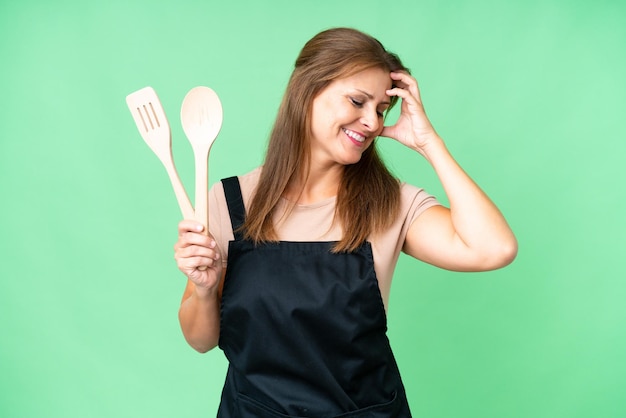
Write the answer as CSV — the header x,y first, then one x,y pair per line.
x,y
293,279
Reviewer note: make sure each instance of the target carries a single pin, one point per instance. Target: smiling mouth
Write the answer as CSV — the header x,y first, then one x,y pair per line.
x,y
357,137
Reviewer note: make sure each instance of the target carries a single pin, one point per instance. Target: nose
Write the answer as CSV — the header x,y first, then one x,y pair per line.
x,y
370,119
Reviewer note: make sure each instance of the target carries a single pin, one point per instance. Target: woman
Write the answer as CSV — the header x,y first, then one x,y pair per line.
x,y
294,277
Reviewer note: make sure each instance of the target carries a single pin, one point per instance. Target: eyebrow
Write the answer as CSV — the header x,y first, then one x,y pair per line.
x,y
369,96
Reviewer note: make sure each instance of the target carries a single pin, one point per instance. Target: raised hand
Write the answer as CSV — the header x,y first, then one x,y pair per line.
x,y
412,128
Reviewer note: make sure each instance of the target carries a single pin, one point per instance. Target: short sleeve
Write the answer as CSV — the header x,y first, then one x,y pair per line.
x,y
415,201
388,245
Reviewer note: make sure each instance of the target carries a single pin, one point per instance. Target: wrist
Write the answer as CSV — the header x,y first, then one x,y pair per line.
x,y
432,147
205,293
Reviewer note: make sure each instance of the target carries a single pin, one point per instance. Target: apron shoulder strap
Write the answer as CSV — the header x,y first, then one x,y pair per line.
x,y
236,209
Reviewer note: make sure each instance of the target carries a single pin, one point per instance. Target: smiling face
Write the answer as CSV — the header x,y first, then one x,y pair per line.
x,y
347,116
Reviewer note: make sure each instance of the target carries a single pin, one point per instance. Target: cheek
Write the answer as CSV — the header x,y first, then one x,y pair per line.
x,y
342,115
322,126
328,119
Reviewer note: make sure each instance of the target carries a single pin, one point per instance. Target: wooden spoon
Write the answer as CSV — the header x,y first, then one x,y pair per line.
x,y
201,116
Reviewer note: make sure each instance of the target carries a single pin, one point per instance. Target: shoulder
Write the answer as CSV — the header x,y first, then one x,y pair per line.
x,y
219,218
415,200
247,183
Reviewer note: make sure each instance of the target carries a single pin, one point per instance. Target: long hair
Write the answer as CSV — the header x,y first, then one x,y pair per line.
x,y
369,196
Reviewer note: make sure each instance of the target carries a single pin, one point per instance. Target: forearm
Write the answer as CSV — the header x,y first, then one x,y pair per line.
x,y
199,317
476,220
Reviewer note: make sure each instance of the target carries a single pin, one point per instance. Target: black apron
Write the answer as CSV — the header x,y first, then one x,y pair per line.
x,y
304,331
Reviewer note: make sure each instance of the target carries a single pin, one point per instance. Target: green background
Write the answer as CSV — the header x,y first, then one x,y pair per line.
x,y
529,96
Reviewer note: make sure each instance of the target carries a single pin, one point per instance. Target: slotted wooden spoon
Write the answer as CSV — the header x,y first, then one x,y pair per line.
x,y
149,116
201,116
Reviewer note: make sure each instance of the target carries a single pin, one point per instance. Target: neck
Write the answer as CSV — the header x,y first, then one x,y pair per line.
x,y
318,184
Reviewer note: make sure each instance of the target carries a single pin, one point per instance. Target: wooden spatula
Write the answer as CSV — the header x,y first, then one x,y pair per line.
x,y
149,116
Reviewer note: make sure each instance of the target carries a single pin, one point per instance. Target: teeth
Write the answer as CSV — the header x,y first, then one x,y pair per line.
x,y
354,135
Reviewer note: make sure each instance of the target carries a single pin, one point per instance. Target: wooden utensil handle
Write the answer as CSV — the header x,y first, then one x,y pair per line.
x,y
181,195
202,190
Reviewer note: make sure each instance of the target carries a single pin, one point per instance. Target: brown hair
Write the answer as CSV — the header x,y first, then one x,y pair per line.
x,y
369,196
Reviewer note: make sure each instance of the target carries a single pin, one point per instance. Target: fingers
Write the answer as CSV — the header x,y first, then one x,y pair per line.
x,y
190,233
405,81
412,128
406,88
410,103
190,257
209,251
194,250
192,263
189,226
186,239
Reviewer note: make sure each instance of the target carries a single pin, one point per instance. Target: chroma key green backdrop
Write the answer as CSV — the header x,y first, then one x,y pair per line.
x,y
529,96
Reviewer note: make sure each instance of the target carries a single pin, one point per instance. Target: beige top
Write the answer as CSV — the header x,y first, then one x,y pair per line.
x,y
315,223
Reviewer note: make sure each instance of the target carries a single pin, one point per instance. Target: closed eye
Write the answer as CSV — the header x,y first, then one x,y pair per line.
x,y
356,102
359,104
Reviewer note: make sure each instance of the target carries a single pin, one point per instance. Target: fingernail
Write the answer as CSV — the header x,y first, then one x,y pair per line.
x,y
199,227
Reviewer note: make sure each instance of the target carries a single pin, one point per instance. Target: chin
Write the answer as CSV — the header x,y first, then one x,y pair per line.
x,y
352,160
